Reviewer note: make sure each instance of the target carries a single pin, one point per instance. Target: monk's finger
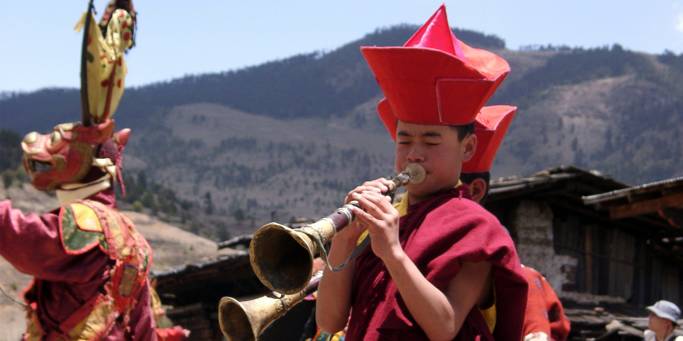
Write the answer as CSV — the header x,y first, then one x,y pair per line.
x,y
367,205
365,219
361,189
382,201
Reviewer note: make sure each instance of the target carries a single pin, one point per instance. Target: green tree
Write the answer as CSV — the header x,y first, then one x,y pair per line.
x,y
208,203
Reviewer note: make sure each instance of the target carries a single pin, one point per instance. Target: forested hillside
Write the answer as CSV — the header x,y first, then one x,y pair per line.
x,y
290,137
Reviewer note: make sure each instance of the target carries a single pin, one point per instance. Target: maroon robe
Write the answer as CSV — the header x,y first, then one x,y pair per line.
x,y
63,281
439,234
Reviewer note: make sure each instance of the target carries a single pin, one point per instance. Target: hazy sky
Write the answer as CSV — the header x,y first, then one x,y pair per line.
x,y
176,38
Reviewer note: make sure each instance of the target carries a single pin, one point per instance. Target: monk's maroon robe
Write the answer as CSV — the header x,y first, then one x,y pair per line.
x,y
439,234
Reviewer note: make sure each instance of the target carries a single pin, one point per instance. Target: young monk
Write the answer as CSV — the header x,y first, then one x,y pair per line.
x,y
544,318
440,267
490,127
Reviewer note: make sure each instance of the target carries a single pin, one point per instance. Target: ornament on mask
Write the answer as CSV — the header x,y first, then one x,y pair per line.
x,y
67,154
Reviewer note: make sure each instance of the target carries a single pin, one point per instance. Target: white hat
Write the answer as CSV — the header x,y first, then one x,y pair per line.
x,y
666,310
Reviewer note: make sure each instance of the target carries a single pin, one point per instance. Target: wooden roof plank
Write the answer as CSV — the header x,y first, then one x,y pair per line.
x,y
646,207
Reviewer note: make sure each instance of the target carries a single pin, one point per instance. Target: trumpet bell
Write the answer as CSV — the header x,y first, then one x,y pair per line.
x,y
234,320
282,258
246,320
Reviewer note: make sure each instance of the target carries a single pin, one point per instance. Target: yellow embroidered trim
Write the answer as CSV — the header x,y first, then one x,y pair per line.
x,y
490,314
33,330
86,219
96,323
362,237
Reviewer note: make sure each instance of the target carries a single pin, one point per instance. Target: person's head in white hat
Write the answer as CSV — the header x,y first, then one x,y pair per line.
x,y
663,318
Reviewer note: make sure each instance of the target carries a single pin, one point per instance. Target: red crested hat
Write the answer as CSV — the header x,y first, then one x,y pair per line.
x,y
434,78
490,127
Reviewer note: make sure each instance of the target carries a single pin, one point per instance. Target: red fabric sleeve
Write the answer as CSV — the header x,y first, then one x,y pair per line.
x,y
544,312
480,238
536,314
559,323
30,242
175,333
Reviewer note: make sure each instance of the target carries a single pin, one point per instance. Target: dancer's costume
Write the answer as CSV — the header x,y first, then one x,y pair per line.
x,y
90,265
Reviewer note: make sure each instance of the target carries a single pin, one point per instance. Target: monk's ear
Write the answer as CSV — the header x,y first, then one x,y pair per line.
x,y
469,145
478,189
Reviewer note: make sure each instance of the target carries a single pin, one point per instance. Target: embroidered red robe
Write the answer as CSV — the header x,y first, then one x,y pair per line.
x,y
65,281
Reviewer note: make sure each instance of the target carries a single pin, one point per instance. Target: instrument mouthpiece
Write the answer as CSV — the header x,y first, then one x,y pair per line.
x,y
417,173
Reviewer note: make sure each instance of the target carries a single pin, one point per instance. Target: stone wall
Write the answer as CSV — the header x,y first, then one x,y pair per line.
x,y
533,223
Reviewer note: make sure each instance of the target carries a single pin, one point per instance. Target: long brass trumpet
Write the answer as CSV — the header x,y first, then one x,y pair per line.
x,y
282,258
246,320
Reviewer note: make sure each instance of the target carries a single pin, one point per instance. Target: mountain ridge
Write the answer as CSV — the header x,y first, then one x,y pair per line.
x,y
291,137
241,88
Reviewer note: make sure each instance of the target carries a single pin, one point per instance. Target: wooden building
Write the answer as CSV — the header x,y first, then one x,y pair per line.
x,y
608,250
580,246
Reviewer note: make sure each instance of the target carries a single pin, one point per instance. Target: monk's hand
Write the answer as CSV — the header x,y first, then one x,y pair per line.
x,y
379,216
380,185
353,231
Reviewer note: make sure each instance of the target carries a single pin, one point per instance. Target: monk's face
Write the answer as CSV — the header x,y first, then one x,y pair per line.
x,y
438,149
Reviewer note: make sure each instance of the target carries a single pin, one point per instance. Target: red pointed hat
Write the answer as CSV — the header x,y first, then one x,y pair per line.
x,y
490,127
434,78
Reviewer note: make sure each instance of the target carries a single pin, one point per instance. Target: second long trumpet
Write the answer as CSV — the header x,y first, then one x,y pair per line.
x,y
282,257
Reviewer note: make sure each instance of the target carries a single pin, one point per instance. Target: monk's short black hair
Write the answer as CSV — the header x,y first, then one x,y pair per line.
x,y
464,130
